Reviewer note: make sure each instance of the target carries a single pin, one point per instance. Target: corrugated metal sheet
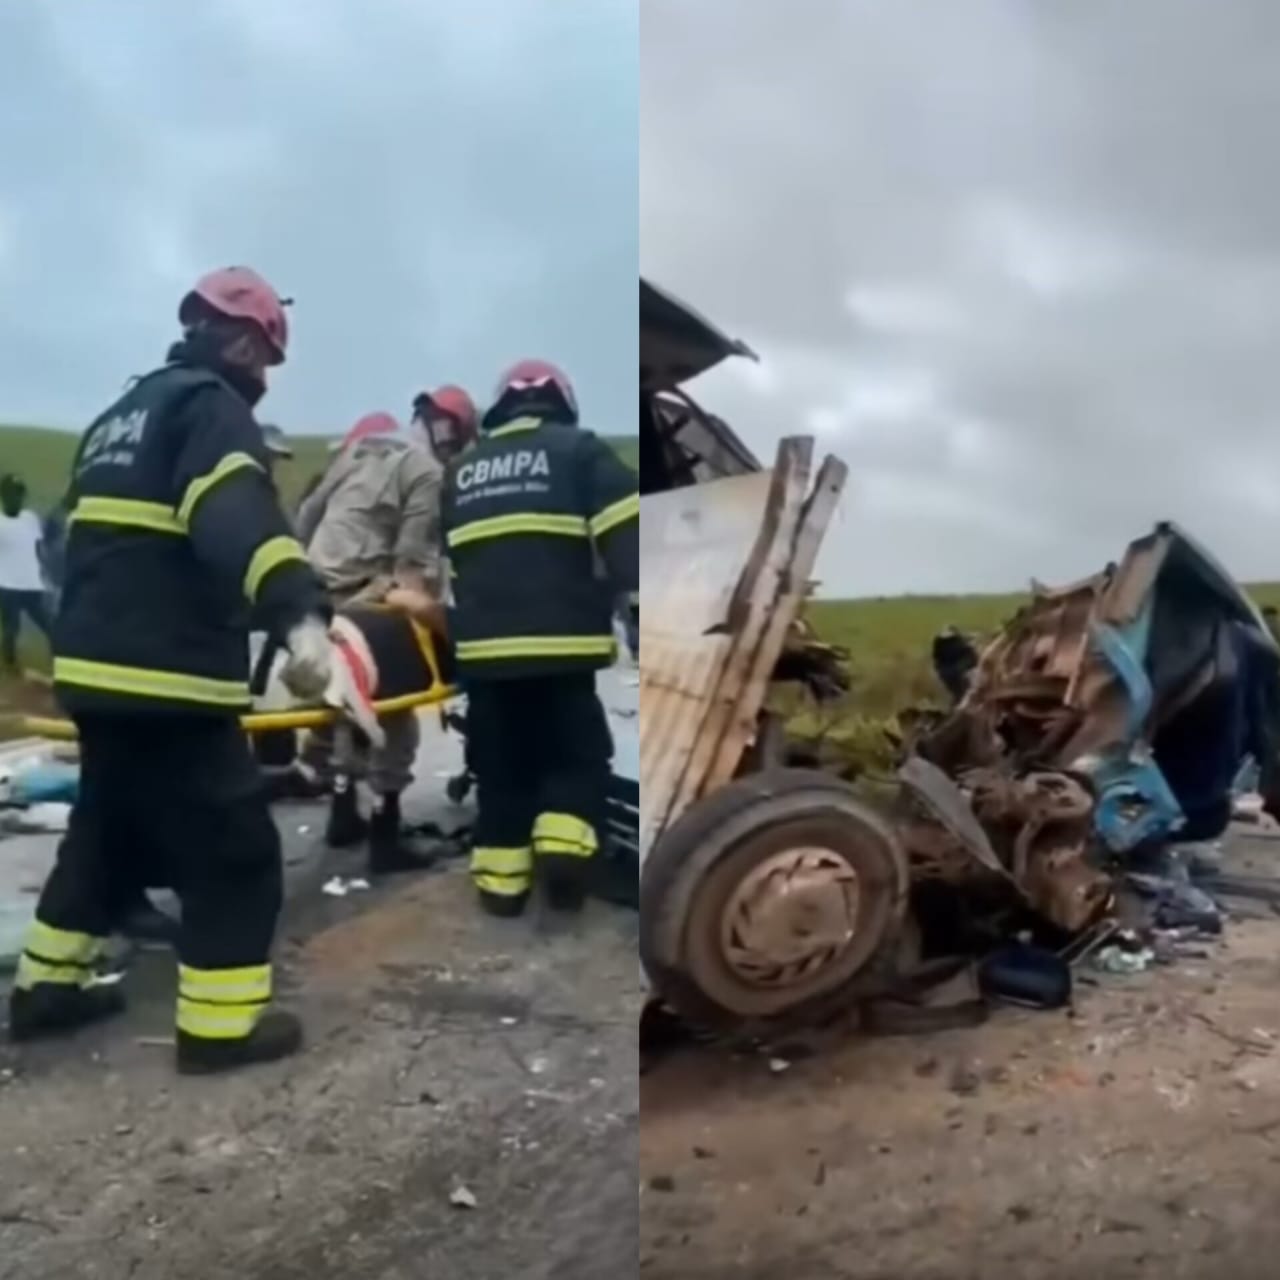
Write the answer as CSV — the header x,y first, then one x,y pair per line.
x,y
723,571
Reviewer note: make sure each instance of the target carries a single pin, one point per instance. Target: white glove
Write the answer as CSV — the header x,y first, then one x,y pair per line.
x,y
308,669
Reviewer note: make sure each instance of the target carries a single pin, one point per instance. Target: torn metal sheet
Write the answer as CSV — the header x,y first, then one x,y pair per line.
x,y
1088,723
724,570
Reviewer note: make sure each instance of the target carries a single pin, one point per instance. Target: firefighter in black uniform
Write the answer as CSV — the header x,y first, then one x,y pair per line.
x,y
531,513
174,527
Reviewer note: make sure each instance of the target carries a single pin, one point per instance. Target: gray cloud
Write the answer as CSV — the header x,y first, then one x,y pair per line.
x,y
442,188
1017,261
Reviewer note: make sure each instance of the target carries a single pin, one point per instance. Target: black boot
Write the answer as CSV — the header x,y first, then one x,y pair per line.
x,y
277,1035
506,906
564,881
390,848
346,827
51,1009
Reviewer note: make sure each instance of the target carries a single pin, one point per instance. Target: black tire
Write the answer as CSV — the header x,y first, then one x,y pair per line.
x,y
692,873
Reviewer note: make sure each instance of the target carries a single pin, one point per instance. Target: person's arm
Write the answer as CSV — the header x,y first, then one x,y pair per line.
x,y
417,547
613,511
232,515
312,507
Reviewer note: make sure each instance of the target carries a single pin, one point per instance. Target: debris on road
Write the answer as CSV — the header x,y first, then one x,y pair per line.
x,y
1116,959
339,887
462,1197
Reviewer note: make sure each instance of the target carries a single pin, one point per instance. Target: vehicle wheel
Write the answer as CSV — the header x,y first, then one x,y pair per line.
x,y
771,902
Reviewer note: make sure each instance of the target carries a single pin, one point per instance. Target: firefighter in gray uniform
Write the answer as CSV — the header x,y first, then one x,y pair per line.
x,y
530,513
175,534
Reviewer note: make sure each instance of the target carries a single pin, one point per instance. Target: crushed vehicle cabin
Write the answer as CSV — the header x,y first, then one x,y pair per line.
x,y
772,894
1106,717
766,891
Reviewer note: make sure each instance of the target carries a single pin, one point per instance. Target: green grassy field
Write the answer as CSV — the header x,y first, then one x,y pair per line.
x,y
43,458
889,643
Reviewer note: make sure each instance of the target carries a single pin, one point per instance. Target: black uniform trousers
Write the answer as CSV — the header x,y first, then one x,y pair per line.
x,y
177,802
540,749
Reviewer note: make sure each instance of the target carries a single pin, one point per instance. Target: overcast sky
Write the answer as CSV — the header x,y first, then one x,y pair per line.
x,y
442,187
1018,261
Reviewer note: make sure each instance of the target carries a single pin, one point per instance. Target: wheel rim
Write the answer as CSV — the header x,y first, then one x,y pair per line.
x,y
794,915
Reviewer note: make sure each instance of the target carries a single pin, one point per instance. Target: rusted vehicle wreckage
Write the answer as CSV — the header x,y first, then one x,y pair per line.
x,y
1106,716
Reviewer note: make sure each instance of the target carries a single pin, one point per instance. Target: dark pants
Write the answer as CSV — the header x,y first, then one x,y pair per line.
x,y
541,751
13,604
176,802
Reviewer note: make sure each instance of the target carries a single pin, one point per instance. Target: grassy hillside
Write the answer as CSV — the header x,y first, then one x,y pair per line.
x,y
889,643
42,457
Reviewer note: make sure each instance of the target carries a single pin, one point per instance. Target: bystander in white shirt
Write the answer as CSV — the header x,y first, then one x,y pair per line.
x,y
19,552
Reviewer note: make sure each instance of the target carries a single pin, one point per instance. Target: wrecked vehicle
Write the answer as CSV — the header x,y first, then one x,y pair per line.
x,y
766,891
1107,717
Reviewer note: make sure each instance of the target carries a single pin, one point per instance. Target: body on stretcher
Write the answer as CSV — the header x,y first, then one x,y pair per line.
x,y
393,661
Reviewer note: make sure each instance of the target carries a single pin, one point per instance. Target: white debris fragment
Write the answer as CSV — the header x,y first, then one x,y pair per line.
x,y
509,1022
106,979
461,1197
539,1065
779,1065
337,887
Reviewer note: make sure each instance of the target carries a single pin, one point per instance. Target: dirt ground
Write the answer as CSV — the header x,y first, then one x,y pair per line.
x,y
446,1050
1138,1136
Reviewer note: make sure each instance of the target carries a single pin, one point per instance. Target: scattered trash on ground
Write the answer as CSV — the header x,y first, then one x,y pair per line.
x,y
463,1198
1116,959
338,887
49,816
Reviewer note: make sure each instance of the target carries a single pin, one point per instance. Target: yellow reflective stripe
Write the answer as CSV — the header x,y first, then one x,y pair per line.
x,y
615,514
217,1021
501,886
127,513
538,647
516,426
563,833
522,522
32,971
145,683
271,555
502,862
226,986
62,946
201,485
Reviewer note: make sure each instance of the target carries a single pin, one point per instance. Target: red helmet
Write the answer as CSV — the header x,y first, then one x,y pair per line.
x,y
457,404
538,382
448,417
241,294
372,424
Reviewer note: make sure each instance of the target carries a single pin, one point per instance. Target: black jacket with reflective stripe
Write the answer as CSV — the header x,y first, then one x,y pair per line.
x,y
175,535
541,525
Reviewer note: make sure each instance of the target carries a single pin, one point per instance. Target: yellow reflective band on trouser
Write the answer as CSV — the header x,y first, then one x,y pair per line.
x,y
522,522
126,513
563,835
201,485
222,1004
144,683
537,647
614,514
505,872
271,555
61,956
